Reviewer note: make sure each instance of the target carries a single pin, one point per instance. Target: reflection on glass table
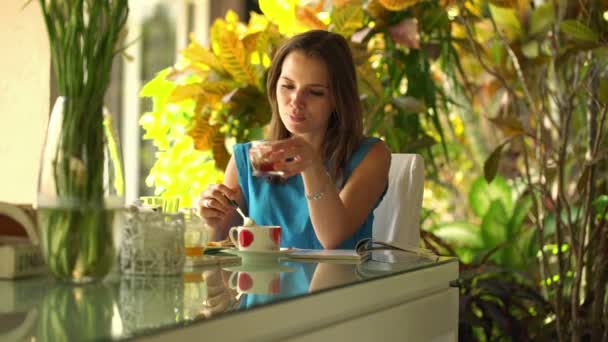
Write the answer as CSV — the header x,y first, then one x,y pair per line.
x,y
125,306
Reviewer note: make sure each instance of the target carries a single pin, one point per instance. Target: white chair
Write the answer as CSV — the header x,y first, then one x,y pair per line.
x,y
397,218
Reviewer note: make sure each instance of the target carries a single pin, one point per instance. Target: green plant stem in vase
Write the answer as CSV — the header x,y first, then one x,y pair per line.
x,y
80,186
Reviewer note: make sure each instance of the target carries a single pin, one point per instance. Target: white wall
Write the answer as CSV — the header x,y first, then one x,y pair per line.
x,y
24,98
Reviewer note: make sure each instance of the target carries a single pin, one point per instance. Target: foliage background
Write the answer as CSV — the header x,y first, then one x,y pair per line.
x,y
505,100
216,96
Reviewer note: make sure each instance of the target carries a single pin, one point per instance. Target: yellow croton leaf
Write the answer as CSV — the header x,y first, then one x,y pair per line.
x,y
232,18
197,54
308,17
340,3
347,20
232,54
209,92
269,40
176,75
214,92
398,5
250,42
283,14
203,133
257,23
220,87
185,92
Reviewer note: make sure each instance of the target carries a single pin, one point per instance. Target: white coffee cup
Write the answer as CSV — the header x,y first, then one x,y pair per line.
x,y
263,282
256,238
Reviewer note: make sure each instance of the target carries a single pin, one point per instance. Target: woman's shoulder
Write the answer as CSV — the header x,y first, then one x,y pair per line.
x,y
379,150
374,147
371,150
240,152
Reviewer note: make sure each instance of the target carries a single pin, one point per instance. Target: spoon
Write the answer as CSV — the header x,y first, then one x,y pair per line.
x,y
247,222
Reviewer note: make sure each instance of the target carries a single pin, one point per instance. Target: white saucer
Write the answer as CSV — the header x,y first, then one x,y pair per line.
x,y
259,255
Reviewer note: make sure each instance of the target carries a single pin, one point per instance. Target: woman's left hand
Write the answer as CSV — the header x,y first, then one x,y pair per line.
x,y
293,156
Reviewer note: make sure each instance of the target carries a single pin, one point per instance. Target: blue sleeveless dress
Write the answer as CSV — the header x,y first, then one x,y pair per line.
x,y
286,205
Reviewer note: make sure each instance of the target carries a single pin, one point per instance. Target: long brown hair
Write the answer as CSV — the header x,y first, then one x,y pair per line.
x,y
345,127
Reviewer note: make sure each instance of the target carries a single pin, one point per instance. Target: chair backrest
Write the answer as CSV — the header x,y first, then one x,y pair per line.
x,y
397,218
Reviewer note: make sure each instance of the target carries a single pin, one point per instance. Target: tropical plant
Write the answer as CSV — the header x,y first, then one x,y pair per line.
x,y
501,234
498,304
216,96
539,71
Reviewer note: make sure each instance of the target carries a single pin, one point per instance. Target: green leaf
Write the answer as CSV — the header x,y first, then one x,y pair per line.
x,y
531,49
529,245
459,234
600,204
494,229
577,30
494,224
549,225
498,52
542,17
435,18
520,213
490,167
482,194
507,21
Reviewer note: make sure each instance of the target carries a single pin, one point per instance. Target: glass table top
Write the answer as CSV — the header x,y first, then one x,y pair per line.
x,y
120,307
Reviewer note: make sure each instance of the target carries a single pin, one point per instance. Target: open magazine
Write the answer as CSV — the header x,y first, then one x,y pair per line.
x,y
349,255
360,253
369,245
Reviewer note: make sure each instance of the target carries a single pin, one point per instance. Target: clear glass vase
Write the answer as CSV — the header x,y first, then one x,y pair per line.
x,y
80,192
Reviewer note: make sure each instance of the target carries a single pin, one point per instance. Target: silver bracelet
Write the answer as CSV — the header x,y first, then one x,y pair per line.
x,y
319,194
316,196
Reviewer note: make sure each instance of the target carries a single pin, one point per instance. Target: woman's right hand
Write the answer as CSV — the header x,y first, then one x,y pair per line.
x,y
214,206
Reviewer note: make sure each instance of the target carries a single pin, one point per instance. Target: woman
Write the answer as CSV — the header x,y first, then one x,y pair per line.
x,y
333,176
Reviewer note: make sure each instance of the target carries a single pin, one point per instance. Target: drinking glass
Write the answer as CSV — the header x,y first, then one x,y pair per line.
x,y
168,205
262,164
